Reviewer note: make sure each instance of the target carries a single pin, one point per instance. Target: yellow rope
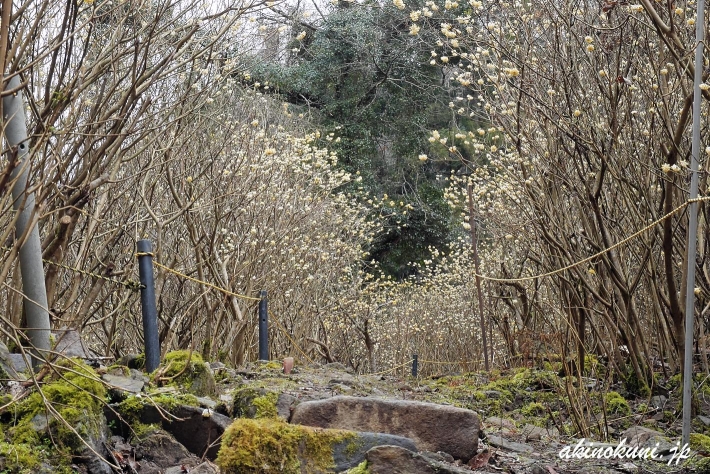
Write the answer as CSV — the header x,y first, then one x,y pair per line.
x,y
285,332
210,285
441,362
600,253
393,368
133,285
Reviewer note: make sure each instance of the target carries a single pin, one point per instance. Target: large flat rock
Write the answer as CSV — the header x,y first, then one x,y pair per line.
x,y
432,427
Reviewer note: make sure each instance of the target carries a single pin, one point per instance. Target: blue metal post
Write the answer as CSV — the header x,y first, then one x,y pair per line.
x,y
149,309
263,327
415,365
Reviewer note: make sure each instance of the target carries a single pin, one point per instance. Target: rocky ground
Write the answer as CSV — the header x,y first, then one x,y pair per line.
x,y
176,419
524,425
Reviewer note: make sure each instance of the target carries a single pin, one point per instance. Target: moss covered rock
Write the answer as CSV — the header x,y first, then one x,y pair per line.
x,y
251,402
700,443
57,421
261,446
616,404
188,371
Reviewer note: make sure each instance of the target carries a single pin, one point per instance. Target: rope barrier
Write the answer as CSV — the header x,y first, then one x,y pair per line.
x,y
441,362
130,284
285,333
600,253
196,280
393,368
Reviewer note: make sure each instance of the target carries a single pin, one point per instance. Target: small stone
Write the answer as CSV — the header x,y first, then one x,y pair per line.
x,y
132,361
704,420
646,437
538,469
161,451
502,443
70,344
532,432
658,401
207,402
494,394
124,384
497,422
17,363
284,405
338,366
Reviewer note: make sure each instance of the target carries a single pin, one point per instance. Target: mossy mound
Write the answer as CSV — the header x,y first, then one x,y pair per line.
x,y
616,404
254,403
700,443
188,371
133,409
56,429
270,446
493,394
697,465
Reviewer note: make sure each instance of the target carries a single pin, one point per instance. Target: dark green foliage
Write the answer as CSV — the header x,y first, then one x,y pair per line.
x,y
373,88
425,225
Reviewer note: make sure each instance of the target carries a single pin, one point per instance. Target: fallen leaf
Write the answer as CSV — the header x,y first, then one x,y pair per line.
x,y
480,459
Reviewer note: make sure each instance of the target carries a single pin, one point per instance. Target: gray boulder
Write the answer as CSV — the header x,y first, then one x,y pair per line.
x,y
432,427
158,451
647,438
397,460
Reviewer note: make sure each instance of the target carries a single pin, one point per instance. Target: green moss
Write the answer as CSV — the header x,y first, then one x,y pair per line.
x,y
140,361
359,469
636,386
592,366
269,445
171,401
176,361
266,405
119,369
37,435
142,429
132,407
192,374
254,403
533,409
697,465
616,404
78,397
479,396
272,365
700,443
20,458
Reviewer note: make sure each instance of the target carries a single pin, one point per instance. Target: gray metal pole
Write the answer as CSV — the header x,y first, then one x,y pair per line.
x,y
476,266
33,285
415,365
263,327
693,224
150,311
